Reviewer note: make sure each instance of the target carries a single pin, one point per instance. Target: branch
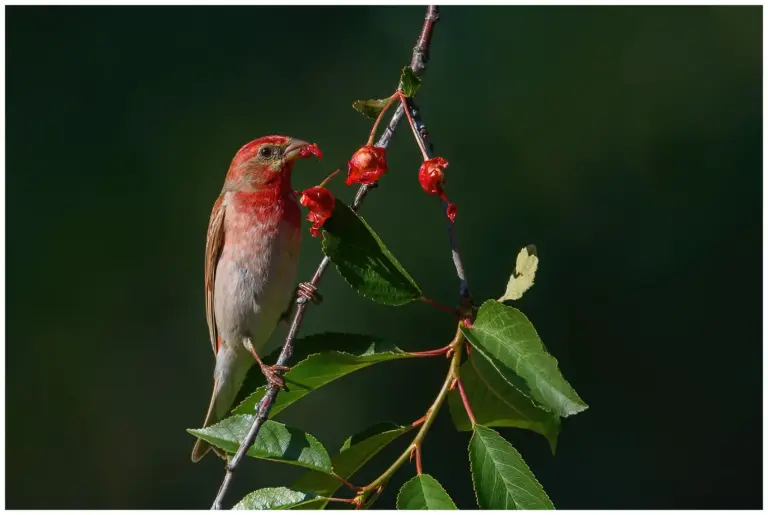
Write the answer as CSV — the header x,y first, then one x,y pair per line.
x,y
418,63
422,138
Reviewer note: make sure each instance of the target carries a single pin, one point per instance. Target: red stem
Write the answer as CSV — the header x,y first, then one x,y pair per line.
x,y
376,123
413,126
418,460
430,353
322,184
437,305
466,403
350,485
338,499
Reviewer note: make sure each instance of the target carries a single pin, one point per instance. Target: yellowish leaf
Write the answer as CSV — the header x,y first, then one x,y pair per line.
x,y
525,270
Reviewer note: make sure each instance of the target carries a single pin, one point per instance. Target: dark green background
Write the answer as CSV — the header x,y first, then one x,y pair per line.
x,y
624,142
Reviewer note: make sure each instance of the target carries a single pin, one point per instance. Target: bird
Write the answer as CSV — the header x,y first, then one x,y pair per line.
x,y
251,261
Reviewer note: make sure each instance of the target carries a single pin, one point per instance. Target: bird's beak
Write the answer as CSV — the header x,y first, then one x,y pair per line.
x,y
299,149
293,150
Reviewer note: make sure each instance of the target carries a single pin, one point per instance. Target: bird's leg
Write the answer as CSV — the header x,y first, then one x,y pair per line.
x,y
270,372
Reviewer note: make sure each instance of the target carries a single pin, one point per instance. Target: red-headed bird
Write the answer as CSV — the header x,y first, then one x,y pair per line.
x,y
251,261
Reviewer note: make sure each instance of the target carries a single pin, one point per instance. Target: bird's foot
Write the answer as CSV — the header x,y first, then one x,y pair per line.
x,y
273,378
308,291
270,372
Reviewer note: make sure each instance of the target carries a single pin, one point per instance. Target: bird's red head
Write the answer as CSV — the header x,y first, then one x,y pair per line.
x,y
267,162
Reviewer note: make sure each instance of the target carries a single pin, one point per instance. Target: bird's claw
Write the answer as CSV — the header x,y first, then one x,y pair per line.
x,y
273,378
308,291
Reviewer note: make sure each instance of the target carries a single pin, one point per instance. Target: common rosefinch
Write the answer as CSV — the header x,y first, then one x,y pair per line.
x,y
251,259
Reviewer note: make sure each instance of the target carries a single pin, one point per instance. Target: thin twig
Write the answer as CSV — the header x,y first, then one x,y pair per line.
x,y
418,62
422,136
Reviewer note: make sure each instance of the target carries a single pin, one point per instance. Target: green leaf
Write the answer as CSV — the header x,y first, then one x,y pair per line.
x,y
495,403
367,443
525,270
363,260
501,478
370,108
507,339
409,82
279,498
355,453
275,442
319,368
423,492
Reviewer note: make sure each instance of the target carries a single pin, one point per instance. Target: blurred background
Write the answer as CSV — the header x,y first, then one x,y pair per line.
x,y
625,142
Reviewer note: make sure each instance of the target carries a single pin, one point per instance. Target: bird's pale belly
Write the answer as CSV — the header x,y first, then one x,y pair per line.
x,y
255,282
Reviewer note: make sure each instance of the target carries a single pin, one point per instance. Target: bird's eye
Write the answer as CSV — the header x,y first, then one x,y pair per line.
x,y
266,152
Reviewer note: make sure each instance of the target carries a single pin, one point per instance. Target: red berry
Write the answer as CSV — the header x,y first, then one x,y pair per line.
x,y
311,150
367,165
431,176
320,202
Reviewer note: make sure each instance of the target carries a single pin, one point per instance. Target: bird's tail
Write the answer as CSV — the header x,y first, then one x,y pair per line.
x,y
228,378
202,447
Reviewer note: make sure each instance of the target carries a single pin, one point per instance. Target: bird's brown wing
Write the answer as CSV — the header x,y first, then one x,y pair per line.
x,y
213,244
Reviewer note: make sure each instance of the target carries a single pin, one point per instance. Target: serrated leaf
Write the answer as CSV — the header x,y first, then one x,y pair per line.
x,y
409,82
508,340
322,366
355,453
275,442
370,108
497,404
501,478
423,492
525,270
363,260
279,498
